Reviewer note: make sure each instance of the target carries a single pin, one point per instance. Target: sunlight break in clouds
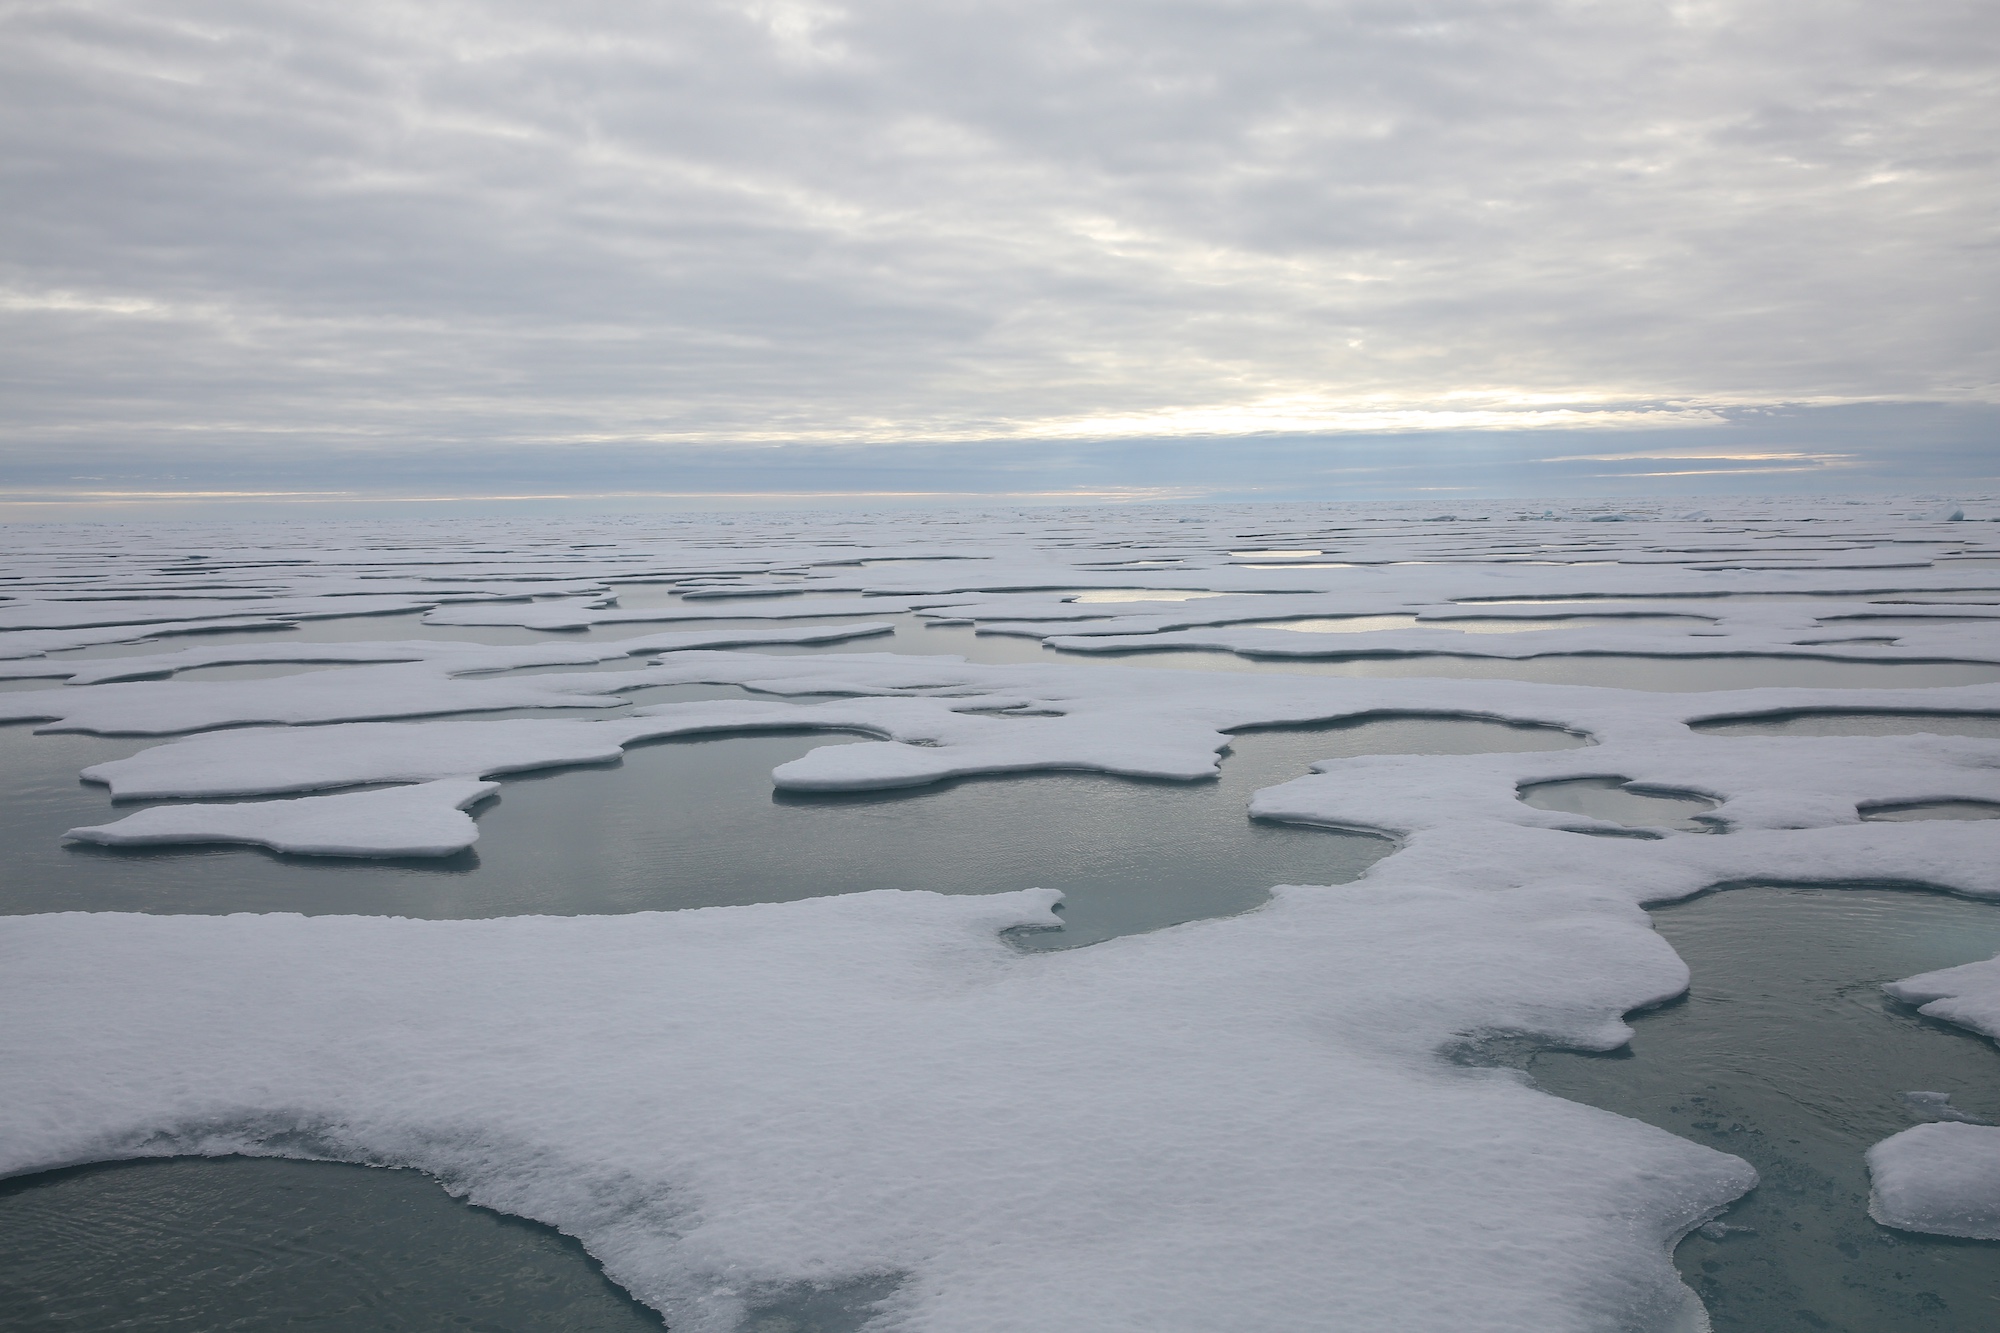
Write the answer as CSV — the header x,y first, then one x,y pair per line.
x,y
492,226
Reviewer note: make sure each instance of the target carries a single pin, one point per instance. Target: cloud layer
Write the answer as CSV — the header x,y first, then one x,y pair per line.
x,y
374,228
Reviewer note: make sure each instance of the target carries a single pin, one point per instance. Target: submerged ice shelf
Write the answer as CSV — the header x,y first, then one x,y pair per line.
x,y
823,1088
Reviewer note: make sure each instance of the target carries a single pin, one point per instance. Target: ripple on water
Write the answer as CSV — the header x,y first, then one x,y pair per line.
x,y
253,1244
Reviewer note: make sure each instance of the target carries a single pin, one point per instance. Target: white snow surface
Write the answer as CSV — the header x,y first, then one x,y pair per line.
x,y
427,819
456,658
1234,1124
17,644
1941,1178
1239,1123
1968,995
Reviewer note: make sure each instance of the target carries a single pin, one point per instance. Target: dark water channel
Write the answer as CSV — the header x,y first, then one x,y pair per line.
x,y
1830,723
917,635
1786,1053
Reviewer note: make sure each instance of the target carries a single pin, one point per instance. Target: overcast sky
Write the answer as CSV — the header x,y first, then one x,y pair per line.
x,y
996,247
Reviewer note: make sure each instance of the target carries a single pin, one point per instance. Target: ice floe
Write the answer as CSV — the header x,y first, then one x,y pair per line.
x,y
585,613
427,819
1236,1124
1941,1178
1245,1122
1968,995
942,718
444,682
455,658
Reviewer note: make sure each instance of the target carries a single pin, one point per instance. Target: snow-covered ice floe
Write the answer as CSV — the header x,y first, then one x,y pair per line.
x,y
1248,1122
1944,1178
1967,995
942,718
427,819
451,679
1941,1178
1242,1124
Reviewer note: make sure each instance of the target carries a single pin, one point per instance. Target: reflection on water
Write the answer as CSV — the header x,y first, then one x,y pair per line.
x,y
1854,724
1670,675
695,823
260,1244
1917,810
1609,798
914,635
1786,1052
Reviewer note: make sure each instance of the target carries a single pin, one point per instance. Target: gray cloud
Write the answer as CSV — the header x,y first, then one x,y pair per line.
x,y
377,230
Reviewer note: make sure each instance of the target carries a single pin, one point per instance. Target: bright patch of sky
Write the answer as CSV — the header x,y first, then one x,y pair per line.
x,y
725,251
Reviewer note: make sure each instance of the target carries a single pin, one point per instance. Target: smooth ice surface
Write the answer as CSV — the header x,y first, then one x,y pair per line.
x,y
1241,1121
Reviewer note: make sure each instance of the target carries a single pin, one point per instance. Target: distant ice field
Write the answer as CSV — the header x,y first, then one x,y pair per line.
x,y
1047,919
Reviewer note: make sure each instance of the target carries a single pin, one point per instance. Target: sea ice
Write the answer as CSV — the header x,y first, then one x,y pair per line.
x,y
1238,1123
446,682
1942,1178
584,613
453,657
427,819
1968,995
29,614
942,718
